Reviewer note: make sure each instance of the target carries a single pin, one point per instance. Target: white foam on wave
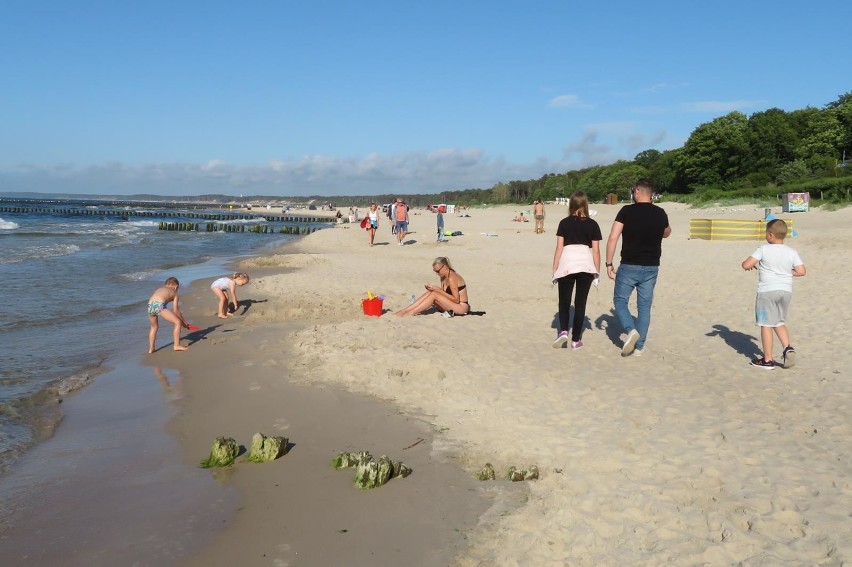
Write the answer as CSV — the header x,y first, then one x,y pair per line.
x,y
144,223
40,253
256,220
8,225
140,276
53,250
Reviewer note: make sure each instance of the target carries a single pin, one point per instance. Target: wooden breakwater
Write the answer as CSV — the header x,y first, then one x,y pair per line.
x,y
127,213
217,227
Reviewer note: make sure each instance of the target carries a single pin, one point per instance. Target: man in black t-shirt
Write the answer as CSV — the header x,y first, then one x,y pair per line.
x,y
641,227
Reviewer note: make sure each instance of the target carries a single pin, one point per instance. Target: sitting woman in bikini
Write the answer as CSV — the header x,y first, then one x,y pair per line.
x,y
449,297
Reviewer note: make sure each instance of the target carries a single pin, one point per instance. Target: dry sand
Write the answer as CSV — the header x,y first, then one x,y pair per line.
x,y
686,455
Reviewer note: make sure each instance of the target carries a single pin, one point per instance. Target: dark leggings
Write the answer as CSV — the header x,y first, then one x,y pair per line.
x,y
566,287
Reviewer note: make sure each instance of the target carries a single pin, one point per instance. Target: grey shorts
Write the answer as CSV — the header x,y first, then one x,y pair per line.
x,y
770,308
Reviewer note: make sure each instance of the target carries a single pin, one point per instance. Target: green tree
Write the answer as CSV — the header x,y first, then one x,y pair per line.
x,y
713,153
792,171
772,139
823,137
500,193
554,186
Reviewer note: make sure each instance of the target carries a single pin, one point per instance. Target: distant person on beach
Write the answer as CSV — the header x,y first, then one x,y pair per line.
x,y
439,218
157,308
400,213
225,290
776,264
641,227
521,218
450,296
373,220
538,214
576,261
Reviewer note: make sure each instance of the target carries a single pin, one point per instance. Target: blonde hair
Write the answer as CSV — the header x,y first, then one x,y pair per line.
x,y
777,228
441,261
578,202
172,281
241,275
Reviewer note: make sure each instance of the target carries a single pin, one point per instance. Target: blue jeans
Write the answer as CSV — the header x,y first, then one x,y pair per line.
x,y
642,279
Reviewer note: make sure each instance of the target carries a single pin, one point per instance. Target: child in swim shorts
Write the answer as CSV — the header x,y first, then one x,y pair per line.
x,y
157,307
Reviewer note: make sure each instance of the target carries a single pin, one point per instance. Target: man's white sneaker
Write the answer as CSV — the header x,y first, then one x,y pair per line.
x,y
630,343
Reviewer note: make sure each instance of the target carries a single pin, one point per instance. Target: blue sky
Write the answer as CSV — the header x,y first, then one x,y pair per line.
x,y
330,98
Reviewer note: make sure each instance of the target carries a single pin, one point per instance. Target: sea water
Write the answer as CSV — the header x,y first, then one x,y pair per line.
x,y
73,289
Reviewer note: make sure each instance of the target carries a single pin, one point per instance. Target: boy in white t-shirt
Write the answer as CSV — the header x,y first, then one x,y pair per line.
x,y
776,263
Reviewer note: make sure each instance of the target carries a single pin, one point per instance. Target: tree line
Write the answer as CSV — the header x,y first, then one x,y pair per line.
x,y
734,155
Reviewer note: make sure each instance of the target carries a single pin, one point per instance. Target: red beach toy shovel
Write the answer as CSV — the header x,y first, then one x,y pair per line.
x,y
192,327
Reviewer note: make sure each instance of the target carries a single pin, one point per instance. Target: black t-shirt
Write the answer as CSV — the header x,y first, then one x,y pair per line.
x,y
579,230
642,237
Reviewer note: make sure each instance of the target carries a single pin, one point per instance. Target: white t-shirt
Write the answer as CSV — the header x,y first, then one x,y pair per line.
x,y
775,266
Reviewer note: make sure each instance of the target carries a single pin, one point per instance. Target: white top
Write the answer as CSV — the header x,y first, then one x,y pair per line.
x,y
775,266
222,283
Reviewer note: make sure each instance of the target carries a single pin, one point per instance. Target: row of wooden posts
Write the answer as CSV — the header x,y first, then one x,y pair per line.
x,y
216,227
161,213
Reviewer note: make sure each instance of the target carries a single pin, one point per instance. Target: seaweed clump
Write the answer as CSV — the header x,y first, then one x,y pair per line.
x,y
371,473
222,454
264,449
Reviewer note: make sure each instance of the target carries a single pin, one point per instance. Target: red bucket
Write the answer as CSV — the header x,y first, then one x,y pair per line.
x,y
372,307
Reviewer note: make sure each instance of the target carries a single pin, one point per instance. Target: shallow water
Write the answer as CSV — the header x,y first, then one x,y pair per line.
x,y
73,288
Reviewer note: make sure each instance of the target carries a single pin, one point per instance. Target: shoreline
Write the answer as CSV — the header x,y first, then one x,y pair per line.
x,y
686,455
231,507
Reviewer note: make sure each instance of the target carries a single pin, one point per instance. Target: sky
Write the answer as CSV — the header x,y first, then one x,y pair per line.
x,y
374,97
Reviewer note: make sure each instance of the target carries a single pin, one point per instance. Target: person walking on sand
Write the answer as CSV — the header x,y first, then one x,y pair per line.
x,y
373,220
439,218
576,260
538,214
157,308
642,226
225,290
450,296
401,217
776,264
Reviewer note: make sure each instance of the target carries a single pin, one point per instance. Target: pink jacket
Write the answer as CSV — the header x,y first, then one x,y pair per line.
x,y
575,258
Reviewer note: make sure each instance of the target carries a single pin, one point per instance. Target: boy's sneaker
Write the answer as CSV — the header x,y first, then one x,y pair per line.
x,y
576,345
630,343
561,339
638,351
763,364
789,357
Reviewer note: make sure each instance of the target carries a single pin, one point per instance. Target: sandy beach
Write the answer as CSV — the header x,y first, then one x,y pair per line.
x,y
686,455
683,456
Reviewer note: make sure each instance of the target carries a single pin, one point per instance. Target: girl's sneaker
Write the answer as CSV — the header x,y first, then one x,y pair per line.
x,y
561,339
789,357
576,345
763,364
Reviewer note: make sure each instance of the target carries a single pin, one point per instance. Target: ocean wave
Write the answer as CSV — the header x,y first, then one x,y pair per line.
x,y
39,253
52,251
256,220
142,276
8,225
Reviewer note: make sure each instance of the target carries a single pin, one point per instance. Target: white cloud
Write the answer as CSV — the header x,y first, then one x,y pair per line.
x,y
717,106
411,172
568,101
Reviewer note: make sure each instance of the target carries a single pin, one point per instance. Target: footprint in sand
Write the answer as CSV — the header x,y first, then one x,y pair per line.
x,y
281,424
248,363
286,555
253,386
